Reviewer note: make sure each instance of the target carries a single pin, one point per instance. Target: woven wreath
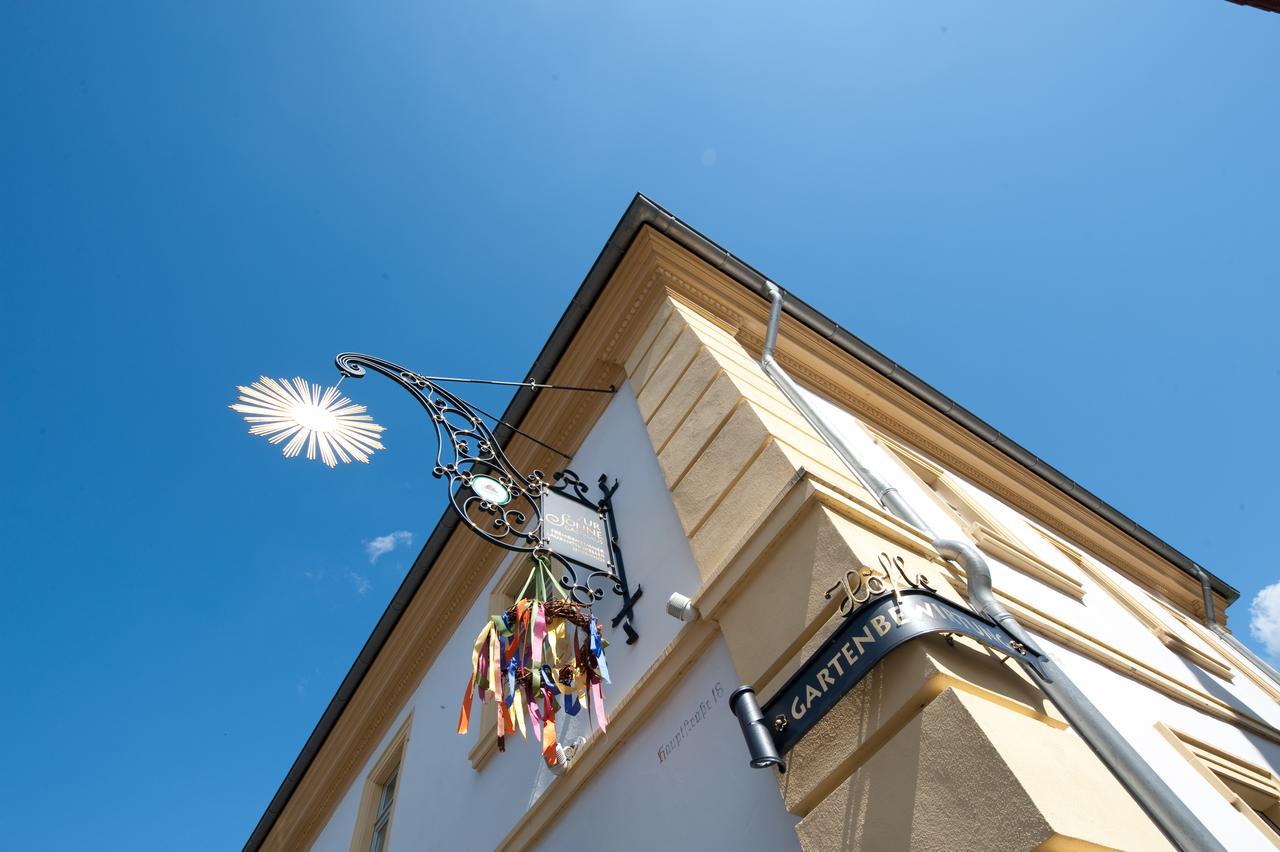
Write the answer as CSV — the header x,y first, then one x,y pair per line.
x,y
542,656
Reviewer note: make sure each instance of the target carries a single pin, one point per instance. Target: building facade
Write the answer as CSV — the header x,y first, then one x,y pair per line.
x,y
728,495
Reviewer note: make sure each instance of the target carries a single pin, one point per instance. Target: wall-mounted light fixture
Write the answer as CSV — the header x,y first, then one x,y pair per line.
x,y
681,607
764,753
565,753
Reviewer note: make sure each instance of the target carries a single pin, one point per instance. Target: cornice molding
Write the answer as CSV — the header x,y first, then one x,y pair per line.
x,y
832,372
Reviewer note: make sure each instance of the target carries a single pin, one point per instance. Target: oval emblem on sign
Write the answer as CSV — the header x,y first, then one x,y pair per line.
x,y
490,490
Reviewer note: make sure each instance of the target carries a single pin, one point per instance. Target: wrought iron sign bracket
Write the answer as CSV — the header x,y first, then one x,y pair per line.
x,y
510,508
582,543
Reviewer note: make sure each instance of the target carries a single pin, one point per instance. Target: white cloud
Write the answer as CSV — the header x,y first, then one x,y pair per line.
x,y
362,582
1264,619
384,544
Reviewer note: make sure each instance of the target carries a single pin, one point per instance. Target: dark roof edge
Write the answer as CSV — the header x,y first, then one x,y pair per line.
x,y
643,211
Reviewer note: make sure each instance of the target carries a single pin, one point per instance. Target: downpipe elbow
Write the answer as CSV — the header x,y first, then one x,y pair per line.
x,y
982,598
977,573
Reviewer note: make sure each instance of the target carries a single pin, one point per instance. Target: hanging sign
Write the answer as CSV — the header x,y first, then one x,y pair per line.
x,y
575,530
864,639
583,534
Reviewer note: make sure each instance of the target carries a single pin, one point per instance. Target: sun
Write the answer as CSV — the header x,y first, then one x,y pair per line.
x,y
302,414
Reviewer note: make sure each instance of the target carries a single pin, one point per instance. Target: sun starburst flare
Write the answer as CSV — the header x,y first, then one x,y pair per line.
x,y
302,414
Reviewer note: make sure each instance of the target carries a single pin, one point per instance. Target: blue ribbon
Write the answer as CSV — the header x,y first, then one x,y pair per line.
x,y
548,680
511,681
598,650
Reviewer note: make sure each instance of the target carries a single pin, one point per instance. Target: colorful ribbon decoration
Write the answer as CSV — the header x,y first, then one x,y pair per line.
x,y
543,655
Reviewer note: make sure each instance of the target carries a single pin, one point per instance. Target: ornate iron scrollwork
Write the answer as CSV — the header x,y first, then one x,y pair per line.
x,y
501,503
466,454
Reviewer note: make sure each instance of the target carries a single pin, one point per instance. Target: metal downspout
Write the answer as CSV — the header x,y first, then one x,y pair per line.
x,y
885,493
1211,618
1170,814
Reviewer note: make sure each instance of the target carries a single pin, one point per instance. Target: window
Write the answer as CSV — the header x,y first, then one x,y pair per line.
x,y
382,819
378,801
1252,790
1209,638
992,536
1181,639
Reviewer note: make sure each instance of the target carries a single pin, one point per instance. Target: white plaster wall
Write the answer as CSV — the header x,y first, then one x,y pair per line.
x,y
1132,707
701,795
443,803
1135,710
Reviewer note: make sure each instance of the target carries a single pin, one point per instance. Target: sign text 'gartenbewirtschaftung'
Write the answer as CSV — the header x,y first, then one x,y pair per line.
x,y
863,640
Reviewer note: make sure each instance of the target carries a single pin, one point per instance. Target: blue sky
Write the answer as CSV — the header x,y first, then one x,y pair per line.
x,y
196,194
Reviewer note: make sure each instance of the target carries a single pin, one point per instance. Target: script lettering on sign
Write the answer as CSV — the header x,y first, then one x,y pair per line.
x,y
862,584
575,530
